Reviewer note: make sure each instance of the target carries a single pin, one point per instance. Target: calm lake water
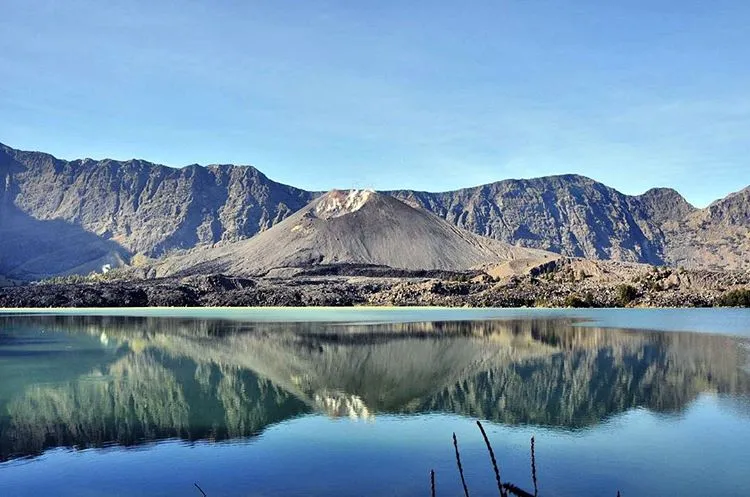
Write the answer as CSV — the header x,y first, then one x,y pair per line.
x,y
364,402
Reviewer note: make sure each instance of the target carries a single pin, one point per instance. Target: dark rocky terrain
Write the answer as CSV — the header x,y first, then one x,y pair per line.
x,y
560,283
128,211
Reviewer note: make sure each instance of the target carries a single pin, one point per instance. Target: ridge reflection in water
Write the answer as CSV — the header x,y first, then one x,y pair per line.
x,y
75,381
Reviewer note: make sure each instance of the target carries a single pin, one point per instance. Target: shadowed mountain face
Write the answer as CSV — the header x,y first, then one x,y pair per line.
x,y
32,249
84,381
148,209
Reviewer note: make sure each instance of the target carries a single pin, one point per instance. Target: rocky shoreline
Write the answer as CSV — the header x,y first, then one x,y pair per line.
x,y
562,285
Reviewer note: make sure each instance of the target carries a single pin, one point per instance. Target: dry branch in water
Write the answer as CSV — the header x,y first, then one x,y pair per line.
x,y
494,461
460,468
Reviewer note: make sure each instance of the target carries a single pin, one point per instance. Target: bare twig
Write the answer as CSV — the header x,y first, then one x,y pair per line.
x,y
460,468
432,482
200,489
494,461
533,468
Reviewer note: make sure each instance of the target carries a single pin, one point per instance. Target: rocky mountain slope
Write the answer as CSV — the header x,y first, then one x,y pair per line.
x,y
32,248
571,215
144,209
716,237
147,208
354,227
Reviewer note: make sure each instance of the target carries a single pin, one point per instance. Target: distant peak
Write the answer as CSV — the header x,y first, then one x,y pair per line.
x,y
337,203
660,191
661,197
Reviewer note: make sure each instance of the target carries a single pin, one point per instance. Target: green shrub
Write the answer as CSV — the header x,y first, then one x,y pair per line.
x,y
574,300
735,298
626,294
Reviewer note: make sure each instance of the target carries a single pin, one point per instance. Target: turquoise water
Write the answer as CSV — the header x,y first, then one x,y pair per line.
x,y
364,401
712,320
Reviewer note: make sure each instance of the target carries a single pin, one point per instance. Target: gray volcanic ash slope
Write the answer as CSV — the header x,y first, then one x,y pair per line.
x,y
358,227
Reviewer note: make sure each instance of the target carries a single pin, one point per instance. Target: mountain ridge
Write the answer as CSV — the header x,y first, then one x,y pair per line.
x,y
150,210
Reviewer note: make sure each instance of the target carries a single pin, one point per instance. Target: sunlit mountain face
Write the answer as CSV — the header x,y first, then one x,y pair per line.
x,y
74,381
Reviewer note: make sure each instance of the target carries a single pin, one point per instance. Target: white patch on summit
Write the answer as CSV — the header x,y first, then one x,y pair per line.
x,y
337,203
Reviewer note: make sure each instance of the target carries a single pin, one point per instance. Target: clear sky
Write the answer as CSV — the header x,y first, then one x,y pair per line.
x,y
390,94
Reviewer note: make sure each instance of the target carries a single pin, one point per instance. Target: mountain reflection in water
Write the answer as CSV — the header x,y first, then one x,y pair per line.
x,y
74,381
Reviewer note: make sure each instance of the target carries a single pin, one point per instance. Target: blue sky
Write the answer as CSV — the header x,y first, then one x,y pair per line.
x,y
389,94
